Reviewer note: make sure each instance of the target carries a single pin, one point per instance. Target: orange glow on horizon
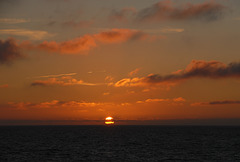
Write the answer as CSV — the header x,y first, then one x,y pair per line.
x,y
109,122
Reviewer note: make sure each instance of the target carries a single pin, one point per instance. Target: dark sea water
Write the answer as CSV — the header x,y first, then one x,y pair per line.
x,y
119,143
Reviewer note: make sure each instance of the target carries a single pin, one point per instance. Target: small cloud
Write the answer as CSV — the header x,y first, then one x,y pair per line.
x,y
174,100
146,90
164,30
134,72
30,34
109,78
106,93
129,82
156,100
121,35
179,99
172,30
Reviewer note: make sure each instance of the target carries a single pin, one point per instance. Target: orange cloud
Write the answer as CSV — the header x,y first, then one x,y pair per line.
x,y
130,82
77,45
150,100
89,41
179,99
121,35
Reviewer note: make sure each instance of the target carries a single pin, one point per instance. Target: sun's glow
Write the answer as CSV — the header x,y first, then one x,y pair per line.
x,y
109,120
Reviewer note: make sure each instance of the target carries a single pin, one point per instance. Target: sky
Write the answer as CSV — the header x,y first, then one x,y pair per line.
x,y
139,61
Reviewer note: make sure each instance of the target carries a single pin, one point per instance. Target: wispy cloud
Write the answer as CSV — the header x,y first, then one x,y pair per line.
x,y
30,34
63,81
55,75
63,104
153,100
13,21
224,102
166,30
172,30
9,51
196,69
134,72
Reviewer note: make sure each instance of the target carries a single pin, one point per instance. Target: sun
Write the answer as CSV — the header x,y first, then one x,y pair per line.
x,y
109,120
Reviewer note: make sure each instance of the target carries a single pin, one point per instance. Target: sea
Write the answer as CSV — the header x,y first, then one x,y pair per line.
x,y
119,143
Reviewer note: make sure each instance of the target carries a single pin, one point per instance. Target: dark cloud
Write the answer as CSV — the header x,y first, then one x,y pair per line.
x,y
211,69
165,10
196,69
224,102
9,51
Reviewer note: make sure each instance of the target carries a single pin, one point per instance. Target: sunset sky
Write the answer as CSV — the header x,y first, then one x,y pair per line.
x,y
137,60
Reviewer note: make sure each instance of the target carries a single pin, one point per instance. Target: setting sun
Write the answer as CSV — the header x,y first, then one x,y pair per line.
x,y
109,120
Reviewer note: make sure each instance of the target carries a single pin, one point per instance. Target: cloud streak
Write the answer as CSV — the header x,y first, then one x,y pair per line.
x,y
89,41
55,75
224,102
156,100
13,21
63,81
30,34
196,69
134,72
62,104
